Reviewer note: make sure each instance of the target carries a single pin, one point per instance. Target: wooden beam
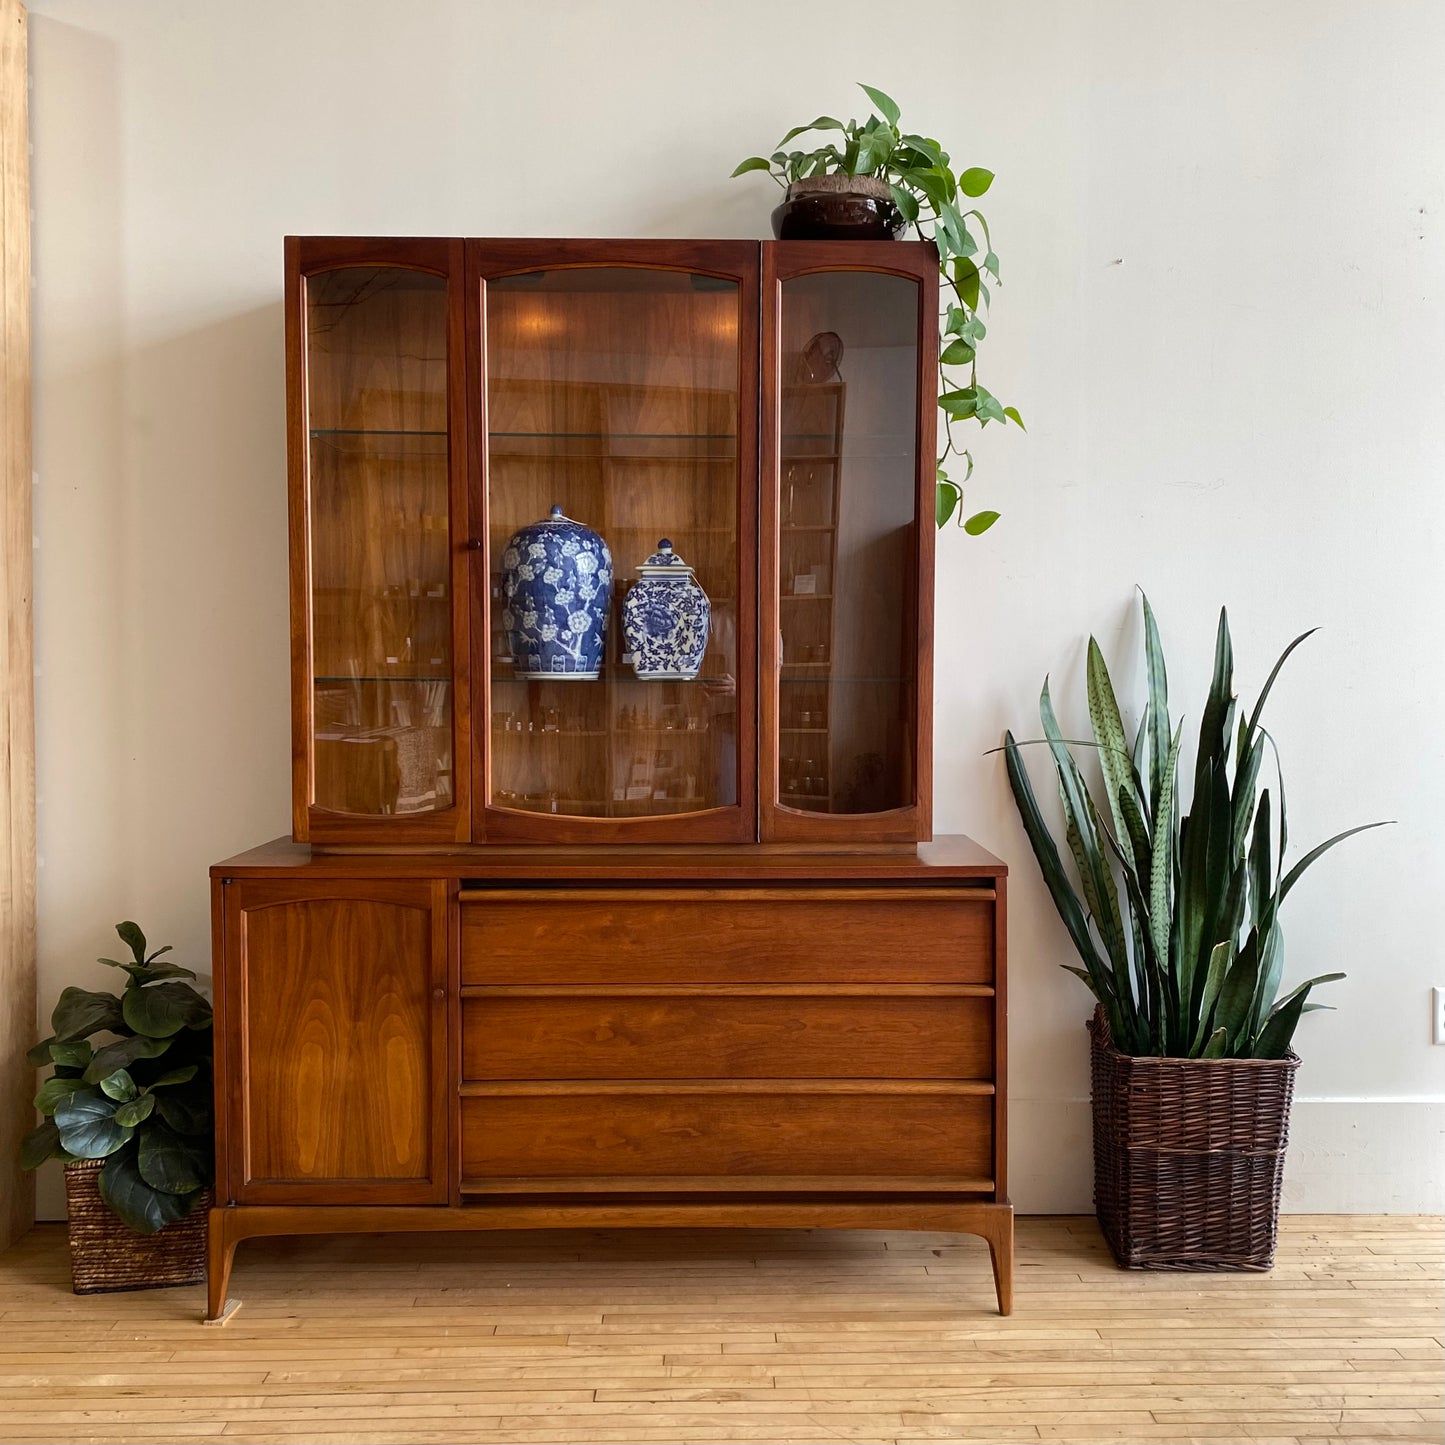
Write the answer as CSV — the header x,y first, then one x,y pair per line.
x,y
17,680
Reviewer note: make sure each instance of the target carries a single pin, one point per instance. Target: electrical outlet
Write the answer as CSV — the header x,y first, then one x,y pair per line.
x,y
1437,997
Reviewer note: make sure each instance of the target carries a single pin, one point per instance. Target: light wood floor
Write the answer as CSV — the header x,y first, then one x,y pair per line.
x,y
730,1336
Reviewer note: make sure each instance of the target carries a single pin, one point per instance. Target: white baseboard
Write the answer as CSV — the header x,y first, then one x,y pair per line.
x,y
1346,1156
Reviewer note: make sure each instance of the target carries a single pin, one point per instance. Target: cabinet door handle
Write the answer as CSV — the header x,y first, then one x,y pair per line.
x,y
475,544
438,993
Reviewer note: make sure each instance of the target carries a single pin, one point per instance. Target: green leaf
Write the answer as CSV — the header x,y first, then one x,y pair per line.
x,y
906,202
72,1054
975,181
965,277
946,500
118,1086
86,1121
171,1162
1159,729
1162,865
956,353
1293,876
175,1076
1274,1038
133,938
1269,683
961,403
40,1054
1236,997
1308,984
1219,960
54,1091
1108,730
926,148
1012,413
1213,731
40,1144
886,106
133,1111
1217,1046
823,122
122,1054
79,1012
165,1008
187,1111
979,523
143,1207
990,264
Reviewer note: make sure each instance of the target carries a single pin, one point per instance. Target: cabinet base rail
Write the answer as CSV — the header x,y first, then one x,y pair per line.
x,y
230,1224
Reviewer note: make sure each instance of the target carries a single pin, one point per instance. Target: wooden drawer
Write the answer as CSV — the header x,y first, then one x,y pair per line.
x,y
781,935
926,1033
721,1136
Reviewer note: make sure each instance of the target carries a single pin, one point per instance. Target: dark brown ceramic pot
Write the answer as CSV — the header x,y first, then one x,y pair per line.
x,y
838,208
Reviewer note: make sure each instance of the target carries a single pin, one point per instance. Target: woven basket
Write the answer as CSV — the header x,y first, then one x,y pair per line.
x,y
106,1254
1188,1156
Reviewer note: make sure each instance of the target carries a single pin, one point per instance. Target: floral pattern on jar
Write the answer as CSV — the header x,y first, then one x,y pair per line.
x,y
556,591
665,619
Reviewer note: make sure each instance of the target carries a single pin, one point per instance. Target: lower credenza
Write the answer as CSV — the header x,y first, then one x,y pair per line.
x,y
533,1037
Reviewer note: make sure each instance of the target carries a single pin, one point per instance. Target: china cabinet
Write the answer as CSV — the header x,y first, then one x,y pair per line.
x,y
611,897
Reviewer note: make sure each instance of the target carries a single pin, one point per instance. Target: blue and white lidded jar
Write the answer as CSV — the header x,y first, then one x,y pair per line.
x,y
665,619
556,592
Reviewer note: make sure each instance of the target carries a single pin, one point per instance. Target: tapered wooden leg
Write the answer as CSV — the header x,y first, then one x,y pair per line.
x,y
220,1252
1001,1251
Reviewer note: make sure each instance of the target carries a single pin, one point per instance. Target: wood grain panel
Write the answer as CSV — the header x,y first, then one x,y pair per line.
x,y
740,1134
847,936
17,670
340,1003
516,1037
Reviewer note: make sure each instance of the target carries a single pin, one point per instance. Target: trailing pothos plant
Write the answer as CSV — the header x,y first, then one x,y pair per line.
x,y
933,199
132,1086
1175,914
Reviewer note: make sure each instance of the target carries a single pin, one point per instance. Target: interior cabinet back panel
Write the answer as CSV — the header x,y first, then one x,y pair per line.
x,y
683,936
342,1047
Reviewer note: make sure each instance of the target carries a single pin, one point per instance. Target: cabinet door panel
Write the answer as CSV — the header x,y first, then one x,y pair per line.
x,y
376,355
850,345
617,382
336,1021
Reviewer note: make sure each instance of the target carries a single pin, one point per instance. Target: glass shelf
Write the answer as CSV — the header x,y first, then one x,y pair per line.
x,y
431,678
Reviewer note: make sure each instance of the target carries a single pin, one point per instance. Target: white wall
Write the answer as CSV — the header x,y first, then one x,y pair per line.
x,y
1224,320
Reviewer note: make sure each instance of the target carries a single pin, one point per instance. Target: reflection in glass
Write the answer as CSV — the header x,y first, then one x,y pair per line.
x,y
376,359
612,392
847,516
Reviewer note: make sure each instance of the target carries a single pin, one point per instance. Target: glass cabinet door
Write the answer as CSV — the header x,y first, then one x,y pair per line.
x,y
619,475
847,533
378,752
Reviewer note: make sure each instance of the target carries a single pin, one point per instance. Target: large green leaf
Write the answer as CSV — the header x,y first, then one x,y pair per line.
x,y
1162,862
975,181
946,499
135,1111
143,1207
120,1087
753,163
979,523
187,1111
1274,1038
171,1161
53,1092
79,1012
1159,731
87,1125
133,938
1219,961
1236,997
164,1009
40,1144
1269,683
1113,746
1213,725
72,1053
122,1054
173,1077
886,105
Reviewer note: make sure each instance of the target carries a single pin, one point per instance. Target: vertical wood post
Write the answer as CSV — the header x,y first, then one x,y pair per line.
x,y
17,685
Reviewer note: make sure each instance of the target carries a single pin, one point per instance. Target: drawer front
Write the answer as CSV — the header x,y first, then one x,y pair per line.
x,y
857,935
789,1036
643,1139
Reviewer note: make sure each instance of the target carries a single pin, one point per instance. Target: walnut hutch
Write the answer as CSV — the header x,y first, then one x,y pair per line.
x,y
612,952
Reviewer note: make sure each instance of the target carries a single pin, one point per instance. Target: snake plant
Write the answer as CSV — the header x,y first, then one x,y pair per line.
x,y
1175,914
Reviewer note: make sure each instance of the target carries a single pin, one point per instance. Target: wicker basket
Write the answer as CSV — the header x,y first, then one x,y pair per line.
x,y
1188,1156
105,1254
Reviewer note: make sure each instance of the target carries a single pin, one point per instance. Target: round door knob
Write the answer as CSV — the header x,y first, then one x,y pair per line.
x,y
474,544
438,993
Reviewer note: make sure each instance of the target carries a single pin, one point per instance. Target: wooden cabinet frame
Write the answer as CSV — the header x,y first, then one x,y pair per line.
x,y
311,256
784,261
735,261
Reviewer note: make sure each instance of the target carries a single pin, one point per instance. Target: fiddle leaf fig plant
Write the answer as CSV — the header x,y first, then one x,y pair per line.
x,y
140,1100
933,199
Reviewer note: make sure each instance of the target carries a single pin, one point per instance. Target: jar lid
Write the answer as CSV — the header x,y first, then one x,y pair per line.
x,y
665,562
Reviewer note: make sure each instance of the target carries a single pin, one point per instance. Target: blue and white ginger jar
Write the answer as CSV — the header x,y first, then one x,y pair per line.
x,y
556,590
665,619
